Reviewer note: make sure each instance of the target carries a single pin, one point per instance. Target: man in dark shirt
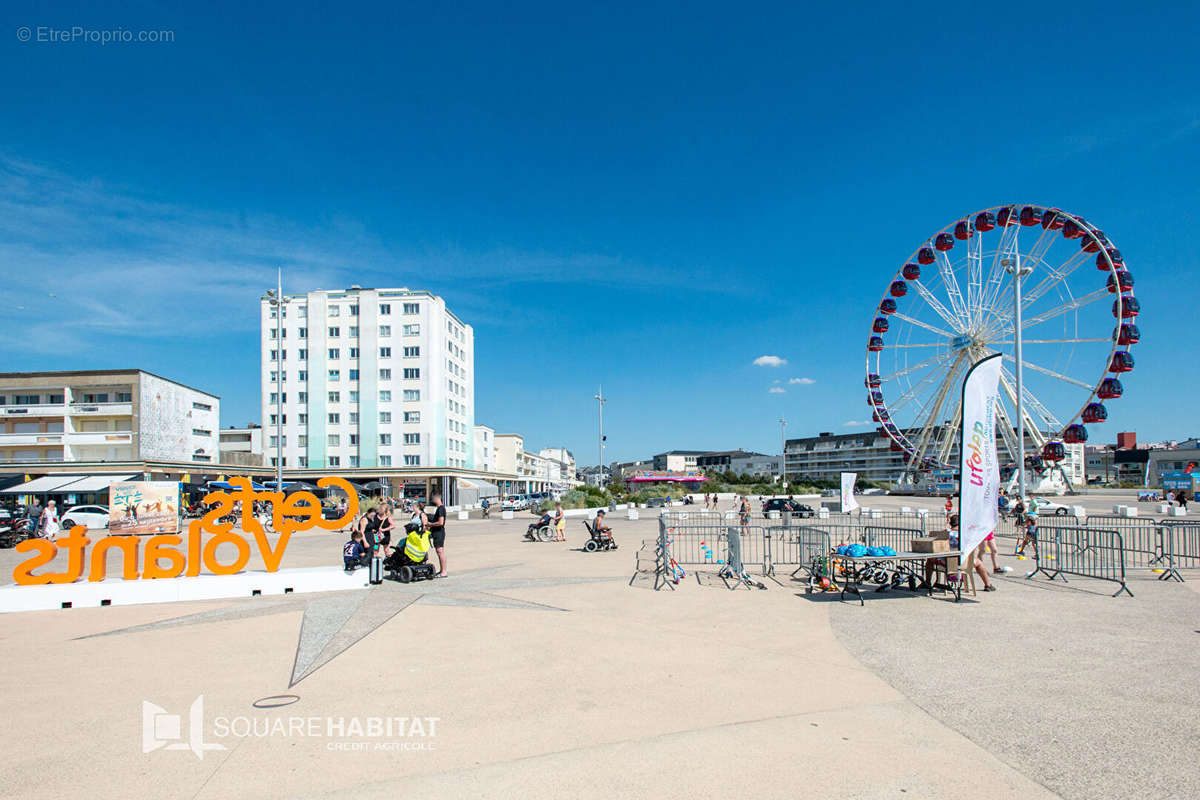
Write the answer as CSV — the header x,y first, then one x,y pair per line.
x,y
437,531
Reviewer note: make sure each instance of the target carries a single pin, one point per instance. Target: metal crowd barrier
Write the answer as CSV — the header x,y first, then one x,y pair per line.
x,y
1180,543
1086,552
1141,535
796,545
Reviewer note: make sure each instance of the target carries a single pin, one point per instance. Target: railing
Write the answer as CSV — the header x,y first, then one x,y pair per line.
x,y
1086,552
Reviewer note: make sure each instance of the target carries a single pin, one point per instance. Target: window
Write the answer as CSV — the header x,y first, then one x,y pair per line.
x,y
303,399
385,396
274,398
353,397
353,439
274,441
385,309
354,461
412,352
353,374
122,397
385,330
274,375
412,416
302,440
353,331
385,416
303,333
304,461
335,397
200,432
354,352
354,311
412,395
334,353
334,440
303,418
353,417
412,438
385,352
302,313
334,461
334,419
412,330
303,354
302,375
385,438
385,374
335,332
334,311
385,461
335,375
33,399
202,406
275,419
412,461
412,373
412,308
274,333
274,355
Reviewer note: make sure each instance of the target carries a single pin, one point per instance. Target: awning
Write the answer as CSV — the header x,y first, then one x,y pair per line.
x,y
92,483
44,485
485,488
226,486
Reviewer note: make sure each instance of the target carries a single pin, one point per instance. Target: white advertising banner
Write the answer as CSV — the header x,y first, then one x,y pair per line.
x,y
848,501
979,467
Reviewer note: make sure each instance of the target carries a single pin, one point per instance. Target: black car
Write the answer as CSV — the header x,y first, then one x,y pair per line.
x,y
656,502
781,504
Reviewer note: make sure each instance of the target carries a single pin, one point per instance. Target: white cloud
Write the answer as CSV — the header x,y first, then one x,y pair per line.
x,y
853,423
769,361
802,381
777,390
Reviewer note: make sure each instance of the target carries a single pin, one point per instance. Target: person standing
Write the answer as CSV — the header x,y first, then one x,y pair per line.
x,y
437,531
560,523
1181,498
34,513
48,526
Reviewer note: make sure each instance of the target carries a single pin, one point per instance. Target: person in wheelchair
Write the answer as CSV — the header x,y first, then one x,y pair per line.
x,y
538,527
411,561
601,533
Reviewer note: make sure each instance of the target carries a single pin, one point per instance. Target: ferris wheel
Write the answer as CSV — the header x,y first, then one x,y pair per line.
x,y
953,303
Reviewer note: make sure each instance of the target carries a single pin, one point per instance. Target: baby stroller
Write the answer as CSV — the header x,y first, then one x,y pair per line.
x,y
598,539
540,531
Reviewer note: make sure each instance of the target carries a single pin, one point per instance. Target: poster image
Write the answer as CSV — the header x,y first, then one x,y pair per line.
x,y
143,507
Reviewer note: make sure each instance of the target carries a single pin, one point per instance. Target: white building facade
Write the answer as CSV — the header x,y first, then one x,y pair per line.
x,y
105,415
370,378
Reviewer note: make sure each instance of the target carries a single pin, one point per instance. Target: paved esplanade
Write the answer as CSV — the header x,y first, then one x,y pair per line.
x,y
550,677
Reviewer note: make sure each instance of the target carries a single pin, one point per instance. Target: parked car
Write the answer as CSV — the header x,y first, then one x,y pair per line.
x,y
656,502
782,504
89,516
1045,507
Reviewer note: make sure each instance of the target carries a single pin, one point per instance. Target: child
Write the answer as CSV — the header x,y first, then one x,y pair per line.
x,y
1031,533
353,552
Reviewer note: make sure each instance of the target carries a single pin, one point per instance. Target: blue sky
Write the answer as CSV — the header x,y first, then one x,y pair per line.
x,y
649,197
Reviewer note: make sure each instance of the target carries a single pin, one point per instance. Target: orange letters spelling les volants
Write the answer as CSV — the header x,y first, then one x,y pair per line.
x,y
163,557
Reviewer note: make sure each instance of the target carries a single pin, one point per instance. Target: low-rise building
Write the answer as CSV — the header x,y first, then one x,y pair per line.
x,y
95,416
242,446
678,460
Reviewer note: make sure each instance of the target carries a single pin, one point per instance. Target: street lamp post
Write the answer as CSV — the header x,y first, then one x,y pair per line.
x,y
600,401
278,301
783,452
1013,267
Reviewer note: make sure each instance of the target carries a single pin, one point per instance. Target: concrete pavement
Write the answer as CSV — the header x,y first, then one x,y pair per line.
x,y
548,676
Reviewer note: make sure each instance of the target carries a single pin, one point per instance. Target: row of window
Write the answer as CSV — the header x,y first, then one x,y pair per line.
x,y
385,331
336,461
58,399
409,417
385,309
335,354
335,440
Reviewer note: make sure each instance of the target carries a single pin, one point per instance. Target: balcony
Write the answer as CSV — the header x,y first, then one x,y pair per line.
x,y
39,410
99,437
30,439
102,409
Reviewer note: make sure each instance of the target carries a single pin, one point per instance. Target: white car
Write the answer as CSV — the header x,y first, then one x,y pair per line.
x,y
1048,507
91,517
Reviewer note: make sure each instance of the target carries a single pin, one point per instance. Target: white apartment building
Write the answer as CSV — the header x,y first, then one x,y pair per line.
x,y
560,468
485,448
98,416
370,378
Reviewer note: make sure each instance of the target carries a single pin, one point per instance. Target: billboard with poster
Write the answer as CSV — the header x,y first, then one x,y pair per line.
x,y
143,507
